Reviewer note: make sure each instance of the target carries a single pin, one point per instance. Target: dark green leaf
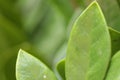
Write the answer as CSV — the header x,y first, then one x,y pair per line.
x,y
115,40
61,68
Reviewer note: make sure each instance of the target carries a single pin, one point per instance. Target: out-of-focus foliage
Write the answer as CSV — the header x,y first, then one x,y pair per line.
x,y
37,26
41,28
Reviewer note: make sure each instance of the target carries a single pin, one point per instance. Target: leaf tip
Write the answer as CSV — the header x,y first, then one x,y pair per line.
x,y
20,52
94,3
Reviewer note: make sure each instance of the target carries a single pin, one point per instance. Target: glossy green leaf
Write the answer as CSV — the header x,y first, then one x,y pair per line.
x,y
115,40
89,47
61,68
114,70
30,68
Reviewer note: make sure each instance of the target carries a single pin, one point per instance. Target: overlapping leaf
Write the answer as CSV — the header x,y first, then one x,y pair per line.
x,y
114,69
115,40
61,68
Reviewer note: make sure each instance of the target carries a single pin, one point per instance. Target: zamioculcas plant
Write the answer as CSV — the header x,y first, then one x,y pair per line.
x,y
91,53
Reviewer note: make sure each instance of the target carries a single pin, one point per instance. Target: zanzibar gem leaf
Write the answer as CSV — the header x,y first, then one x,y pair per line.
x,y
30,68
89,47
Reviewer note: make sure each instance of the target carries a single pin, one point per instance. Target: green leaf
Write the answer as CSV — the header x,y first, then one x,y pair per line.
x,y
114,70
30,68
115,40
61,68
89,47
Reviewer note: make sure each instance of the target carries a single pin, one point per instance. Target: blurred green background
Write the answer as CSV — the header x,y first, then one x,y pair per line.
x,y
42,28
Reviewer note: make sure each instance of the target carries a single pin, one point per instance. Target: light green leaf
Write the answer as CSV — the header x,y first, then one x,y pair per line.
x,y
114,70
89,47
30,68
